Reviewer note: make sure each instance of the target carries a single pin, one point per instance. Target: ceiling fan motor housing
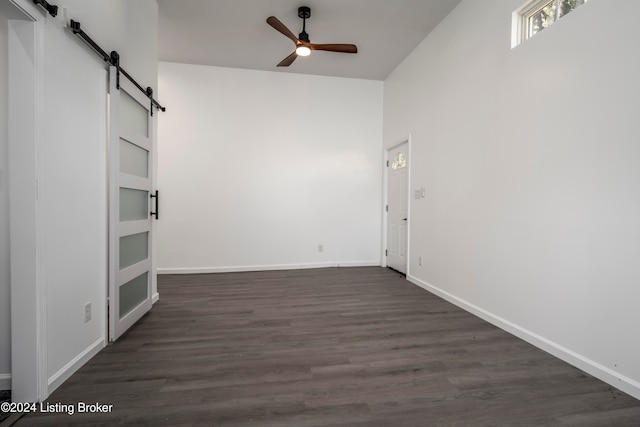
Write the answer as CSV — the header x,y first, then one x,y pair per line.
x,y
304,37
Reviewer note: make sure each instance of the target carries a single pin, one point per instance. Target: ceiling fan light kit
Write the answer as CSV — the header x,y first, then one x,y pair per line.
x,y
303,51
302,42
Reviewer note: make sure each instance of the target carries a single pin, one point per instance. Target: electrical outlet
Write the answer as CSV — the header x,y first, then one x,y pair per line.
x,y
87,312
320,248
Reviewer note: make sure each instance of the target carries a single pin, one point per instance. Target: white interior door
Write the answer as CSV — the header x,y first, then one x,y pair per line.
x,y
398,208
130,151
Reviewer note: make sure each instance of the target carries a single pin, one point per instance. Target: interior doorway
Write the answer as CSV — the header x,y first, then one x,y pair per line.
x,y
23,111
397,208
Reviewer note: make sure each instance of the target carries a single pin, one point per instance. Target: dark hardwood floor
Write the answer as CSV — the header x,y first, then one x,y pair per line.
x,y
5,396
327,347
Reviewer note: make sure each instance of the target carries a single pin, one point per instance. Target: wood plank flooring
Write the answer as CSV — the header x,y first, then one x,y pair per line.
x,y
327,347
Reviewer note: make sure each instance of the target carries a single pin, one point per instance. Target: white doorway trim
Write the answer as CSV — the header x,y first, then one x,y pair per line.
x,y
26,122
385,199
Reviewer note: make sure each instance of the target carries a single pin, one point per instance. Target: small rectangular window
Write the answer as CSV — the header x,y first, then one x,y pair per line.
x,y
536,15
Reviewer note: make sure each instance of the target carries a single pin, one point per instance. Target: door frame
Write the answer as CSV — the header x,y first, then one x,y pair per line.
x,y
385,199
27,216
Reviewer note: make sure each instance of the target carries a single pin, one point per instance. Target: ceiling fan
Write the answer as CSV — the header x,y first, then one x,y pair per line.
x,y
303,45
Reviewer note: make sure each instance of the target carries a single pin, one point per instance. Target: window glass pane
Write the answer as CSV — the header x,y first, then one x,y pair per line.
x,y
567,6
133,249
133,159
399,162
133,293
134,204
542,14
542,18
133,115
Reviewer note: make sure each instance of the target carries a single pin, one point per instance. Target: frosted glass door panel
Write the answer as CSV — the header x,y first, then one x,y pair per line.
x,y
133,159
134,204
133,115
133,249
133,293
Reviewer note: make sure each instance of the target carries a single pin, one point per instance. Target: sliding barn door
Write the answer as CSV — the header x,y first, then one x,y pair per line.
x,y
130,176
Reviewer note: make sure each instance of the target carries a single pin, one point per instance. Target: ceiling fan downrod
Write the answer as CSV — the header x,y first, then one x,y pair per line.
x,y
304,12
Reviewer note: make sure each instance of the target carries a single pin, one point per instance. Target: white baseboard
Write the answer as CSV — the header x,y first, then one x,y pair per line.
x,y
236,269
599,371
154,298
5,381
76,363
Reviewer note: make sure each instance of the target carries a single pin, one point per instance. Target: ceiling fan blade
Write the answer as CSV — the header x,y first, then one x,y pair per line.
x,y
275,23
344,48
288,60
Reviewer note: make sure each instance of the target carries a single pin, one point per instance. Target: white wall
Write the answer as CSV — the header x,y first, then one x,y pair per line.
x,y
256,169
5,284
72,159
531,162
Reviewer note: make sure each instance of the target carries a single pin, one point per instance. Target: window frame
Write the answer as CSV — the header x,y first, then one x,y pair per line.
x,y
520,26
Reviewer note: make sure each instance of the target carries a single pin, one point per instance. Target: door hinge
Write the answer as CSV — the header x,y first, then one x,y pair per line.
x,y
387,163
387,208
386,252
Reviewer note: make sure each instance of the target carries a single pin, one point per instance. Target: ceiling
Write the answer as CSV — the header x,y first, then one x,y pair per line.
x,y
233,33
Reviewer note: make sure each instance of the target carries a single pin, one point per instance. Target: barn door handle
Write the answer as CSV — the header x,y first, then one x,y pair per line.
x,y
157,197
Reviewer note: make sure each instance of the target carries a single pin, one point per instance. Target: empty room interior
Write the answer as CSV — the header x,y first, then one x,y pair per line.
x,y
360,212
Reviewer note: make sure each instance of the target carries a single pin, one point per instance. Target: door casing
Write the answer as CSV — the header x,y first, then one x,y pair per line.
x,y
26,114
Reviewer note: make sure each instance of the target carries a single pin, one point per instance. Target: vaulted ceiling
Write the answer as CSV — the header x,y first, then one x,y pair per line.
x,y
233,33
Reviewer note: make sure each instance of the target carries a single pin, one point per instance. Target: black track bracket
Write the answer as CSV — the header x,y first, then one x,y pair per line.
x,y
51,8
